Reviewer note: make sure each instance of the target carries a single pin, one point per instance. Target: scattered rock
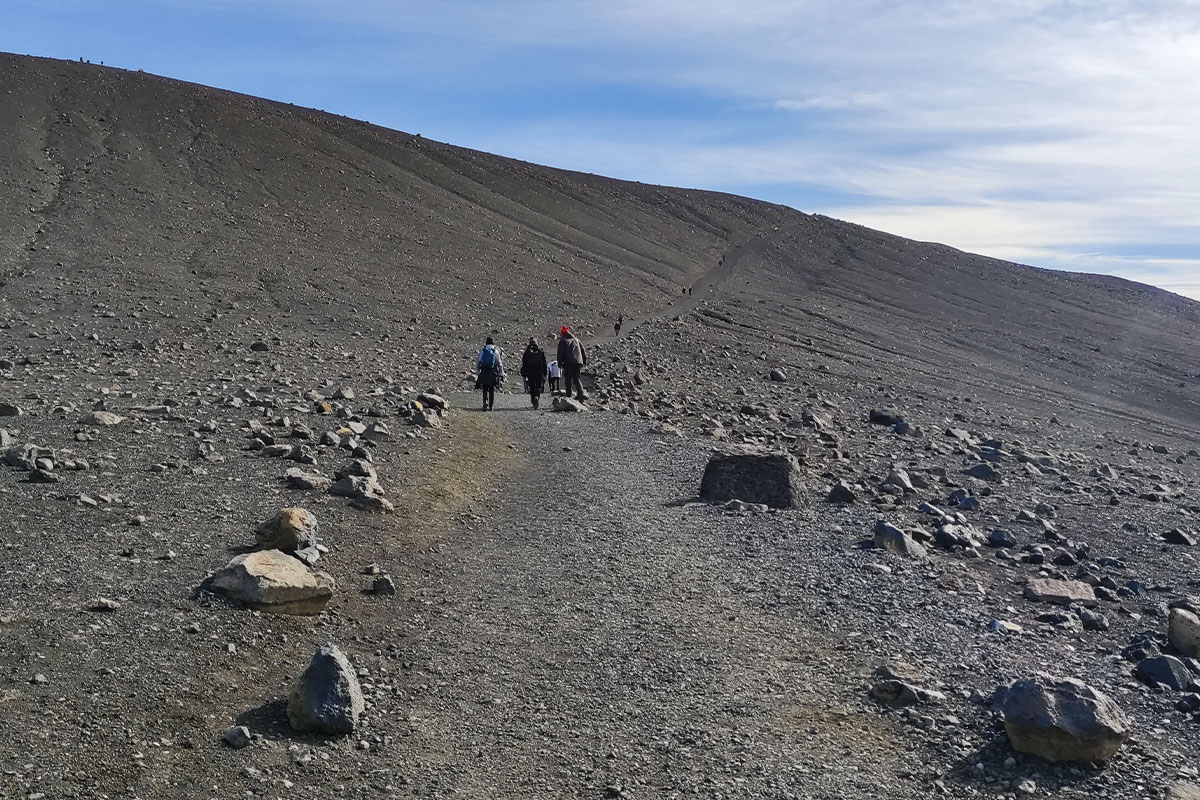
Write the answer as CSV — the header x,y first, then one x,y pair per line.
x,y
297,478
290,530
1164,671
894,540
102,419
273,581
879,416
1183,631
841,493
237,737
567,404
778,375
1063,593
1063,719
984,472
327,697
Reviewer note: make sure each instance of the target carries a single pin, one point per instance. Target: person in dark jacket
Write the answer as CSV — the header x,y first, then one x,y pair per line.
x,y
491,373
534,369
571,358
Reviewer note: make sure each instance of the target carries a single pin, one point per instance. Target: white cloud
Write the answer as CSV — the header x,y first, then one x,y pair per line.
x,y
1008,126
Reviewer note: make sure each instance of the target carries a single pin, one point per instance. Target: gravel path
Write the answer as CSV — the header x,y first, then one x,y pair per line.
x,y
588,637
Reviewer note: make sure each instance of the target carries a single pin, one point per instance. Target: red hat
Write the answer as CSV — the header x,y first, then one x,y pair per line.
x,y
565,329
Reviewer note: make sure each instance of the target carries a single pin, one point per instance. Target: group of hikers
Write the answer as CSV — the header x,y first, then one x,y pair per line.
x,y
536,369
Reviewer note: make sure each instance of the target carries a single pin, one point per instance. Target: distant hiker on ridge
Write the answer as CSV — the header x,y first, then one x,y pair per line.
x,y
491,373
617,325
571,358
555,375
533,370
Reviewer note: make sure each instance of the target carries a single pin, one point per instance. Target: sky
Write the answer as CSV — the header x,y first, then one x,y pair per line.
x,y
1064,134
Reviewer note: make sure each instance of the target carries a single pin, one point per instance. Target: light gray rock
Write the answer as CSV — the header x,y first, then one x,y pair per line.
x,y
1063,593
327,697
273,581
568,404
102,419
1063,719
771,478
1183,631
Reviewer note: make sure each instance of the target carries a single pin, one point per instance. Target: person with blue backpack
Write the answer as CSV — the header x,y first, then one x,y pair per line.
x,y
491,373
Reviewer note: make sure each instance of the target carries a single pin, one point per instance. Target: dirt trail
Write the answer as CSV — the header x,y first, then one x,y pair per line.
x,y
586,637
705,287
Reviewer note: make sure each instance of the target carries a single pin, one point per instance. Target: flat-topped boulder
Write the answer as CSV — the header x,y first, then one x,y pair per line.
x,y
773,479
273,581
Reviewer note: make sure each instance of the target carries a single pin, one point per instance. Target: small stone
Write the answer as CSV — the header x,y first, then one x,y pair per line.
x,y
237,737
102,419
103,604
383,585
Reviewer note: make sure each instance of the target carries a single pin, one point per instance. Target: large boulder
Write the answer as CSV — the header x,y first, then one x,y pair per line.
x,y
1183,630
1063,593
1063,719
769,478
273,581
290,530
327,697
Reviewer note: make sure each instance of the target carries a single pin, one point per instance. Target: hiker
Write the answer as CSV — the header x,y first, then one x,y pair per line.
x,y
617,325
533,370
555,374
571,358
491,373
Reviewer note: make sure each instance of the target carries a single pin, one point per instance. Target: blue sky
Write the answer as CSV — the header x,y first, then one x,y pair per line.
x,y
1063,134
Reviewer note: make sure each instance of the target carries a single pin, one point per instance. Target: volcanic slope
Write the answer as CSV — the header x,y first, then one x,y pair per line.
x,y
232,276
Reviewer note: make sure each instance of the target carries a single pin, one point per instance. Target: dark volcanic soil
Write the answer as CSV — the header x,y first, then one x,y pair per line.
x,y
569,621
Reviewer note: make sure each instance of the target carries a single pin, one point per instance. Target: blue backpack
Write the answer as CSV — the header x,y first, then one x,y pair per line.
x,y
487,358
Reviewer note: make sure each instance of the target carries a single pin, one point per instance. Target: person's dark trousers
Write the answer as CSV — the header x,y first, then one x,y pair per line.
x,y
489,397
573,382
554,386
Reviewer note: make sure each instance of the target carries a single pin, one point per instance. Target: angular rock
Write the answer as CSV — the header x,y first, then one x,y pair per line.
x,y
10,410
102,419
290,530
1180,536
1164,671
237,737
894,540
434,401
882,416
1063,719
1183,631
1182,790
770,478
424,418
297,478
327,697
983,471
273,581
898,684
569,404
841,493
1063,593
356,486
778,375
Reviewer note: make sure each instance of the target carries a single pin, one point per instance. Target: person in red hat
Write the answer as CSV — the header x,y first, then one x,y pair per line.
x,y
571,360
